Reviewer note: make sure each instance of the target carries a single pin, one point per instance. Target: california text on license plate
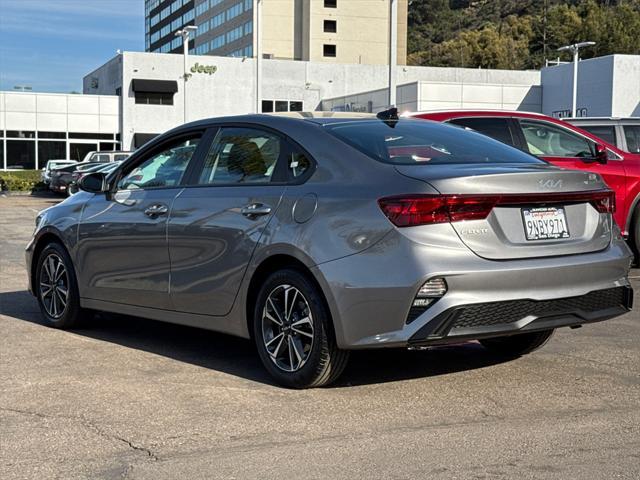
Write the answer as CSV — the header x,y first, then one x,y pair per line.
x,y
545,223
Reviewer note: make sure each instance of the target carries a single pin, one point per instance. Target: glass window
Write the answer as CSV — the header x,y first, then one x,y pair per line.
x,y
21,154
248,4
497,128
248,51
632,135
549,140
176,24
234,11
165,13
42,134
605,132
248,27
415,142
164,169
282,106
241,155
330,3
267,106
155,37
91,136
217,20
299,164
51,151
202,7
154,98
329,50
295,106
187,17
20,134
235,34
330,26
217,42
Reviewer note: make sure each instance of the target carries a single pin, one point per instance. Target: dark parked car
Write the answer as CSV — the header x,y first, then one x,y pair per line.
x,y
317,235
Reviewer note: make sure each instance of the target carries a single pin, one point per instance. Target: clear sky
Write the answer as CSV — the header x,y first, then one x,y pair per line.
x,y
51,44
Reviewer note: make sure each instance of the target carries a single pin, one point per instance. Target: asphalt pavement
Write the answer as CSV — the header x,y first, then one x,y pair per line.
x,y
125,397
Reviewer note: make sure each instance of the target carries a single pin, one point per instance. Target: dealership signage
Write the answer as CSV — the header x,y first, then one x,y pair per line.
x,y
210,69
580,112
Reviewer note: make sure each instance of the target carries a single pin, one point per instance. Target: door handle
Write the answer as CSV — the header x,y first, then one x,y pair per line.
x,y
255,210
156,210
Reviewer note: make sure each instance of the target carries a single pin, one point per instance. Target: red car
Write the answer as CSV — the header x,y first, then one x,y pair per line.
x,y
564,145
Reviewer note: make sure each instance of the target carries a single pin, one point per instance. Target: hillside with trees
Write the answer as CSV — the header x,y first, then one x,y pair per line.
x,y
518,34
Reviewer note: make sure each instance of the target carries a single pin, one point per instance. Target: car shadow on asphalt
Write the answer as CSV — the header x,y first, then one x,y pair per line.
x,y
237,356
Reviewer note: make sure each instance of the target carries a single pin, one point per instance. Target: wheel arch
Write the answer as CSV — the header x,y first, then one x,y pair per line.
x,y
271,264
44,239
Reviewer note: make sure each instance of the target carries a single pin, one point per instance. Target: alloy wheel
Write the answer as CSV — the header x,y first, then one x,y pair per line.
x,y
287,328
54,285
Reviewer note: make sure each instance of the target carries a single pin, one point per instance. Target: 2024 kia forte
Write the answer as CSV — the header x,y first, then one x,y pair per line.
x,y
323,233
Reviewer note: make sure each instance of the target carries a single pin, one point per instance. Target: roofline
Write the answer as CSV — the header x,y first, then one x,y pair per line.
x,y
475,110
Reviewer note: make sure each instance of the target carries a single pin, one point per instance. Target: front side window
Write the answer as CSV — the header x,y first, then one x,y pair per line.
x,y
632,135
163,169
497,128
241,155
416,142
549,140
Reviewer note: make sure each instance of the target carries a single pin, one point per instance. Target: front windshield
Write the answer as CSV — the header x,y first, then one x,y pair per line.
x,y
420,142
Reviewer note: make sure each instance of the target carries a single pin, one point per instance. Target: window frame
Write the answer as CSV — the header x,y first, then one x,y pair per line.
x,y
153,148
281,175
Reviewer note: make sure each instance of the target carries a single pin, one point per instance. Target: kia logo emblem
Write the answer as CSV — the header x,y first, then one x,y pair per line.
x,y
549,183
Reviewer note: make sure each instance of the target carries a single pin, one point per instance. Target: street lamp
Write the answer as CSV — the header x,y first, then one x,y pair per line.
x,y
185,33
575,48
257,29
393,50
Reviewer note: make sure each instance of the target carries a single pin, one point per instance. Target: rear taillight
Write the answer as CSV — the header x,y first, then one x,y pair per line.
x,y
413,210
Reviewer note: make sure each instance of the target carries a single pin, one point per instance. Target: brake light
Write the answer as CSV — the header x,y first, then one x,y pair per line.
x,y
413,210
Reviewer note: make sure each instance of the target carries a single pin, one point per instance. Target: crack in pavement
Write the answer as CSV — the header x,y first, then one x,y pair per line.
x,y
89,425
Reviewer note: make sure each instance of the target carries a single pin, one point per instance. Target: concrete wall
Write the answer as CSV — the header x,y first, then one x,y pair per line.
x,y
55,112
421,96
626,86
50,112
231,89
607,86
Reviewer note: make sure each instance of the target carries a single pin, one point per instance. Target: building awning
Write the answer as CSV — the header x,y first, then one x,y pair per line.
x,y
140,139
154,86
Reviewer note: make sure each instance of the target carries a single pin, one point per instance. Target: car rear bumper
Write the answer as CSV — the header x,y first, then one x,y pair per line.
x,y
370,294
492,319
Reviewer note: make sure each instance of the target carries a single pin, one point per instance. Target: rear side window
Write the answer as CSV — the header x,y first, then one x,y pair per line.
x,y
632,135
417,142
605,132
298,164
497,128
550,140
241,155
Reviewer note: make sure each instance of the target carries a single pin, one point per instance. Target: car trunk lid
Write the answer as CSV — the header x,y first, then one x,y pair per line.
x,y
522,211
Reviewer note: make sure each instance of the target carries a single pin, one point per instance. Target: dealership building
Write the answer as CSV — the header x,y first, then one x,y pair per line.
x,y
138,95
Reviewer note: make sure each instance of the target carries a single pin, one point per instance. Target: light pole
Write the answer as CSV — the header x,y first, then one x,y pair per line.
x,y
185,33
393,50
575,48
258,33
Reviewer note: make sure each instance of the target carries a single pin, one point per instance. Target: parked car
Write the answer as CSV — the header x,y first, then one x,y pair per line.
x,y
45,175
97,167
60,178
564,145
317,235
624,133
106,156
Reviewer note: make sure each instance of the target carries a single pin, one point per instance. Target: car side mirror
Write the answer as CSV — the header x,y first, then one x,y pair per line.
x,y
95,182
602,155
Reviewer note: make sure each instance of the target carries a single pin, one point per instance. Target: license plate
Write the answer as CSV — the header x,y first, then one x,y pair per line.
x,y
545,223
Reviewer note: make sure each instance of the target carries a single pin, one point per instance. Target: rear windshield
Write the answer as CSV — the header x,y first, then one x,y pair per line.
x,y
415,142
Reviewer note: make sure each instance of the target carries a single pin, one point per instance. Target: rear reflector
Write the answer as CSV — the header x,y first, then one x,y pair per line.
x,y
412,210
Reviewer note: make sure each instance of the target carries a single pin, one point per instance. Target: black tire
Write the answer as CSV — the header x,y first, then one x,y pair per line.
x,y
71,314
634,236
324,361
517,345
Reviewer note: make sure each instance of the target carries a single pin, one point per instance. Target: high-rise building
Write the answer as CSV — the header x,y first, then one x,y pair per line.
x,y
340,31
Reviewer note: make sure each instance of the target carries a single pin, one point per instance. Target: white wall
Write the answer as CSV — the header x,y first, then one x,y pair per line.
x,y
421,96
626,86
52,112
231,90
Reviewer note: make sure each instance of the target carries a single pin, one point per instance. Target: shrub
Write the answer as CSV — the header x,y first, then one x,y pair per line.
x,y
21,181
